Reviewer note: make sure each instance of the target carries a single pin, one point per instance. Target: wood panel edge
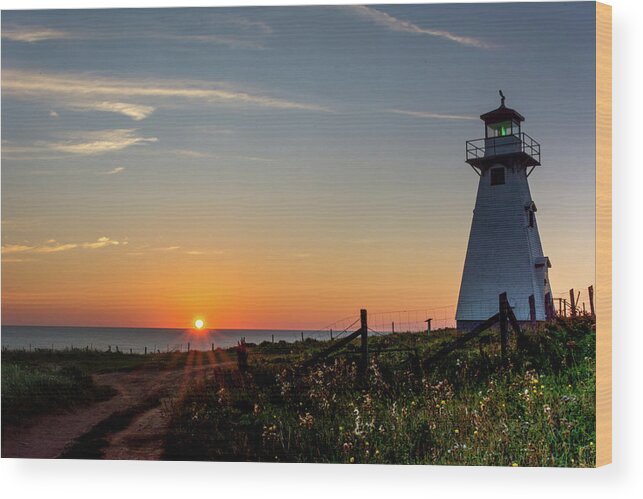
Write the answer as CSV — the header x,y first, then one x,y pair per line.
x,y
603,234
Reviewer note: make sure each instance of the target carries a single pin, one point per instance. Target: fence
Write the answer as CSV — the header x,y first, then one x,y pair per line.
x,y
505,317
574,303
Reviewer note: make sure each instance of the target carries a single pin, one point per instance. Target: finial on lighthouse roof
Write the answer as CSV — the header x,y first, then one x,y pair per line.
x,y
502,113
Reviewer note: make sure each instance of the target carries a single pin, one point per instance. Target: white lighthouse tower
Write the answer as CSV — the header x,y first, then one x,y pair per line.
x,y
504,252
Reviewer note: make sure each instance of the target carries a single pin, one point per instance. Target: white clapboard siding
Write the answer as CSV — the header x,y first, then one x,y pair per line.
x,y
504,253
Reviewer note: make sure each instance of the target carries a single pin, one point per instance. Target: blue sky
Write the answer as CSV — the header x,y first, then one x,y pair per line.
x,y
250,138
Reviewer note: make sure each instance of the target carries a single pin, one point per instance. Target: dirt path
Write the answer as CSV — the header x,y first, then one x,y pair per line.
x,y
142,438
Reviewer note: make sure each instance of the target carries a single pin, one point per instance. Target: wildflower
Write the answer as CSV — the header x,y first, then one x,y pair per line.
x,y
377,452
475,433
352,460
456,431
341,428
443,402
514,465
591,444
307,420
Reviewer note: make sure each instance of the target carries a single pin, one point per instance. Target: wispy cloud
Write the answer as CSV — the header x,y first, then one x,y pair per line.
x,y
8,249
189,153
228,41
167,248
231,31
33,34
248,24
70,89
145,249
436,116
98,142
202,253
53,246
101,242
118,169
137,112
77,143
395,24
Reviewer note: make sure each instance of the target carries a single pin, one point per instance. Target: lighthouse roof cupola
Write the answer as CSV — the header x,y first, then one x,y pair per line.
x,y
503,137
502,121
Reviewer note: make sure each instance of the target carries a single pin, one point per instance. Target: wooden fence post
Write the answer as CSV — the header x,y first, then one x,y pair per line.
x,y
572,302
331,335
302,336
532,310
590,290
363,317
504,334
428,326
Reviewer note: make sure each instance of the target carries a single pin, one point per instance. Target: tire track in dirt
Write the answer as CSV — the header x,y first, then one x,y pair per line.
x,y
51,436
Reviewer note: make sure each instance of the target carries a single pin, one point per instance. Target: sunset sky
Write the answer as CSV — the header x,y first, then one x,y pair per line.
x,y
276,167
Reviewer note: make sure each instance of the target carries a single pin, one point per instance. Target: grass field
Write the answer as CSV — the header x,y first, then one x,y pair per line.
x,y
470,408
466,410
29,391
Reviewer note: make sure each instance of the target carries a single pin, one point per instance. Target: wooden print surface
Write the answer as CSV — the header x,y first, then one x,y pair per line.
x,y
324,234
604,234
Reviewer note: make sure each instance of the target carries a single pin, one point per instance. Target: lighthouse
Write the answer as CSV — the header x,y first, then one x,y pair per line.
x,y
504,253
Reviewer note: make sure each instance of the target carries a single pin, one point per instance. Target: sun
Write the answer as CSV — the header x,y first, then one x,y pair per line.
x,y
198,324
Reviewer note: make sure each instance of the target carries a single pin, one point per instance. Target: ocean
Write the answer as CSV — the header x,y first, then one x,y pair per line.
x,y
138,339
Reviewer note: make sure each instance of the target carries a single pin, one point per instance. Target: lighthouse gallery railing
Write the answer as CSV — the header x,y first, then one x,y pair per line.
x,y
498,146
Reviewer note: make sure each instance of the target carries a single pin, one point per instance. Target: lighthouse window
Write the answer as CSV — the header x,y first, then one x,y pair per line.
x,y
497,176
501,129
532,218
